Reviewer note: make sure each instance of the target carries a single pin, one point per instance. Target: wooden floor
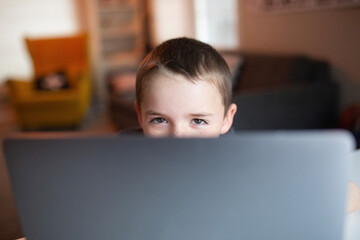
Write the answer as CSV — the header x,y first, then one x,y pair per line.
x,y
97,122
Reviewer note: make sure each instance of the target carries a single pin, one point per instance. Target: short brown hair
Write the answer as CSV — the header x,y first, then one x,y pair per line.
x,y
190,58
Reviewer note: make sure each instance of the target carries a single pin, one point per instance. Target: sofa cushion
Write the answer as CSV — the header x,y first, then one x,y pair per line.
x,y
264,72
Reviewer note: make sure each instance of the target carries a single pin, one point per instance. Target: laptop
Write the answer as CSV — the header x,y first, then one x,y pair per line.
x,y
262,185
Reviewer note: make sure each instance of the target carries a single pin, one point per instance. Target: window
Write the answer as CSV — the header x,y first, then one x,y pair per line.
x,y
211,21
216,22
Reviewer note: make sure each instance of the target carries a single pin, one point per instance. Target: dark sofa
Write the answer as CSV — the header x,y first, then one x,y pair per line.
x,y
283,92
271,92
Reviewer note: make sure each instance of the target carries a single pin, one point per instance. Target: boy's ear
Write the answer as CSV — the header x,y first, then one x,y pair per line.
x,y
229,117
138,113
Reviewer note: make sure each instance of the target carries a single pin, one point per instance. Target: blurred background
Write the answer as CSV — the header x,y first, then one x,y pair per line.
x,y
68,66
121,32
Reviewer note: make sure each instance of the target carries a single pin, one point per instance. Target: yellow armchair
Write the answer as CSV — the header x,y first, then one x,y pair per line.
x,y
38,109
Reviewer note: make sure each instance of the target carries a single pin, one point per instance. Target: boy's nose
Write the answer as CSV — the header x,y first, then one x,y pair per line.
x,y
179,131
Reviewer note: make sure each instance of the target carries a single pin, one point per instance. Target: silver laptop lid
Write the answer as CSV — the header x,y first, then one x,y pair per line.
x,y
282,185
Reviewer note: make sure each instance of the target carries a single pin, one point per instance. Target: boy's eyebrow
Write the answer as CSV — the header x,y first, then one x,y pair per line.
x,y
202,114
151,112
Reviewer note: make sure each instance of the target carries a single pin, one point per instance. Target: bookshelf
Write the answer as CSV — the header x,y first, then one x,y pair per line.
x,y
121,33
117,39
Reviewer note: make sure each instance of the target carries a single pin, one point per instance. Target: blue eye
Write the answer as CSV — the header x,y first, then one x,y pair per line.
x,y
158,120
197,121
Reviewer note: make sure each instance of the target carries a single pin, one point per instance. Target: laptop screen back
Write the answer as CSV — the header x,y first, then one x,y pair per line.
x,y
252,186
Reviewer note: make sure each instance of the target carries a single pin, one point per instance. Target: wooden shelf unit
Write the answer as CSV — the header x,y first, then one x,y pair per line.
x,y
121,33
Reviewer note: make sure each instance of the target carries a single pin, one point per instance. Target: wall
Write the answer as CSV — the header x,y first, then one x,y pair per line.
x,y
33,18
333,35
171,18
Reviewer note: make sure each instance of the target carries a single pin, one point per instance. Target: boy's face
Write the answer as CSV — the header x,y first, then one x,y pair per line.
x,y
174,106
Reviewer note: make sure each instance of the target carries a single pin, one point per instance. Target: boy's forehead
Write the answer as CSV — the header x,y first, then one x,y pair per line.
x,y
169,75
169,82
175,91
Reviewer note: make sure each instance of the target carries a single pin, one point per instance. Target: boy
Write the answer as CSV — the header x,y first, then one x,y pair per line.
x,y
183,89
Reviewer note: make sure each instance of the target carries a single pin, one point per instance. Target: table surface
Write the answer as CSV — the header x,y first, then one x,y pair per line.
x,y
352,221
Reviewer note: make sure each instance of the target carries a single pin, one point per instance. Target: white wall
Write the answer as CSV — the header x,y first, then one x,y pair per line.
x,y
170,19
333,35
20,18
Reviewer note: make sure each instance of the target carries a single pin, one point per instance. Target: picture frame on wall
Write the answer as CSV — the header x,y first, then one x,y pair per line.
x,y
289,6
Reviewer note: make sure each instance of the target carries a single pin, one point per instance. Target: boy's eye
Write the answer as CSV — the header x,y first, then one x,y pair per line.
x,y
197,121
158,120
